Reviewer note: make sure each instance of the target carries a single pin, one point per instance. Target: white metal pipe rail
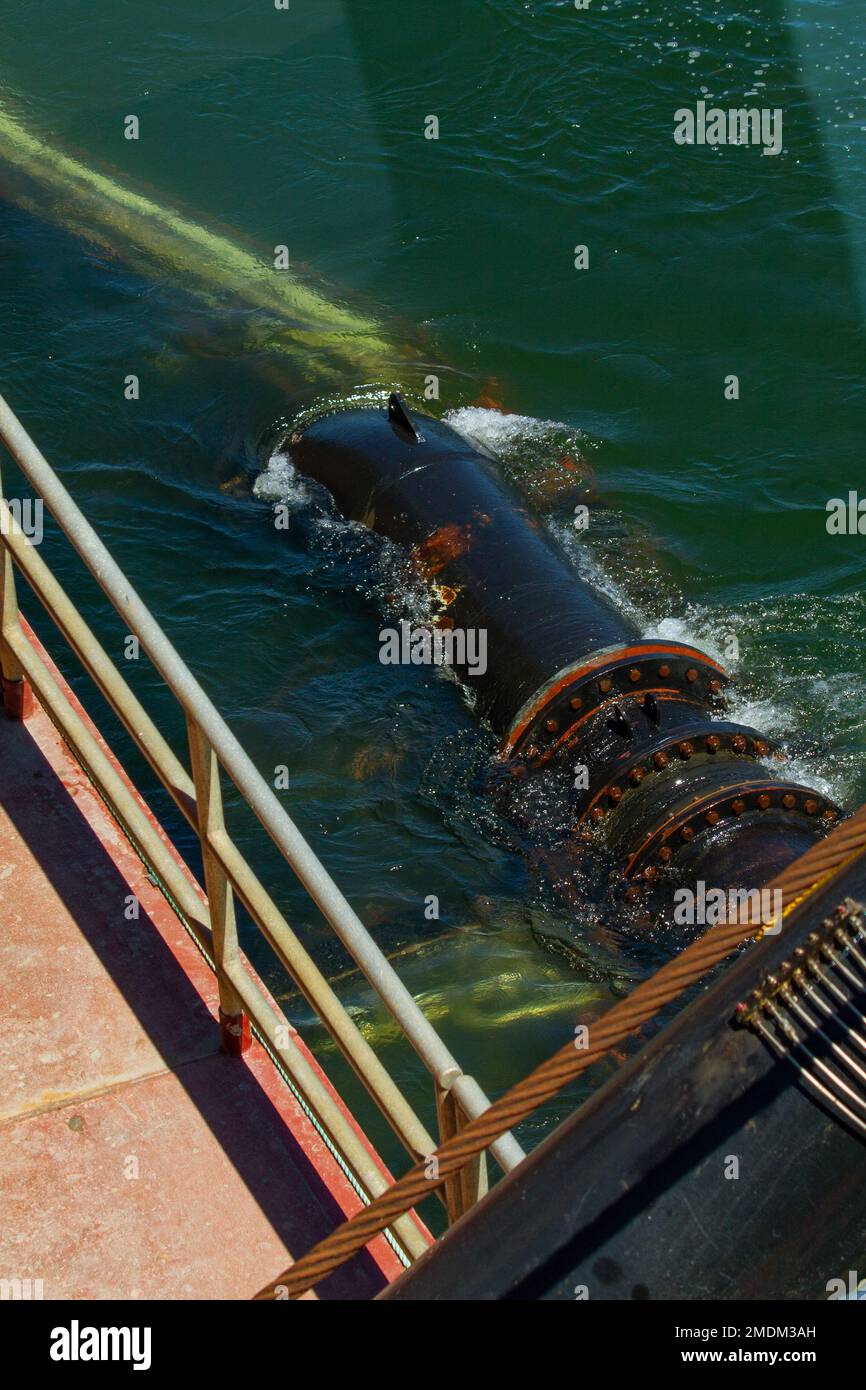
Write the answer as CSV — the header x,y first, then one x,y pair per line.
x,y
178,782
211,737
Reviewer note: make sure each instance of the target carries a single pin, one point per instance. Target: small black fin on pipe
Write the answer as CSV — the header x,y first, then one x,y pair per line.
x,y
651,708
619,723
398,415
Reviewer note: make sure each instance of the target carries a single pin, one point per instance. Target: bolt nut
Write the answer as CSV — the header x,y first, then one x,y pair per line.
x,y
712,817
713,743
738,806
789,801
614,796
664,671
810,806
660,760
764,801
829,814
761,748
597,813
665,854
692,674
738,743
714,686
634,674
575,702
636,776
605,685
685,749
551,726
687,833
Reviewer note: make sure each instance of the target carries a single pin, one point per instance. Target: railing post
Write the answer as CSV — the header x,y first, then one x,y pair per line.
x,y
17,692
234,1023
469,1185
214,749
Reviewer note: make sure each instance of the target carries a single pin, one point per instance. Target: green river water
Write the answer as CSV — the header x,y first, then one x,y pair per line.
x,y
305,127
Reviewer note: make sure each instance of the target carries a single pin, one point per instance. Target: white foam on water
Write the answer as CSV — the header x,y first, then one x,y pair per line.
x,y
508,435
759,701
691,634
588,567
280,483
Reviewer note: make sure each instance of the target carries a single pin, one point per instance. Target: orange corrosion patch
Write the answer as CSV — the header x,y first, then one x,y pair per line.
x,y
445,594
489,399
445,545
558,480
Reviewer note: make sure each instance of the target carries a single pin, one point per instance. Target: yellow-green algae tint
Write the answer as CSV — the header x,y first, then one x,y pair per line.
x,y
299,321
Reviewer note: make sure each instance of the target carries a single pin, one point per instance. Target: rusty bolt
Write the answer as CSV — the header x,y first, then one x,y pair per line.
x,y
605,684
764,801
664,671
761,748
596,814
575,702
714,686
713,743
738,806
551,726
738,743
665,854
810,806
685,749
687,833
614,796
636,776
712,817
692,673
789,801
829,814
634,674
660,760
650,872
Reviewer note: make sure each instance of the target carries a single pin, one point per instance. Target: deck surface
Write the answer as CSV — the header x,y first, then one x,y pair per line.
x,y
136,1161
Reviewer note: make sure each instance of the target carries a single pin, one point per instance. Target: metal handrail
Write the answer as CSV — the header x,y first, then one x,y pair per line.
x,y
213,746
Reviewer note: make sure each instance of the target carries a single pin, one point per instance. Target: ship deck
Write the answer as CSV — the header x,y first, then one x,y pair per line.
x,y
136,1160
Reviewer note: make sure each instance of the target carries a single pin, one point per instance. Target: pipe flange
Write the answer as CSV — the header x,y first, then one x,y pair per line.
x,y
554,717
716,740
705,816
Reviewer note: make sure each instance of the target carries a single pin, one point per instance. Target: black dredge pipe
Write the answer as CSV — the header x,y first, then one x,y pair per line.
x,y
678,791
430,491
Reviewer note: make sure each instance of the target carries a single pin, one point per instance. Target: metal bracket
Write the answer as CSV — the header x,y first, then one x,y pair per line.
x,y
810,1013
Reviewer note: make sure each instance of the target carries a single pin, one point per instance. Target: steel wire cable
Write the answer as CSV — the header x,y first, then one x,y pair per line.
x,y
845,843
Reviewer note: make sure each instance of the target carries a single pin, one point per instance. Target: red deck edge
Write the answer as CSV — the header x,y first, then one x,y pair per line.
x,y
189,958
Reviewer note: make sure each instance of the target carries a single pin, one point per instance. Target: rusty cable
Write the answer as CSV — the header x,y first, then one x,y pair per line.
x,y
666,984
